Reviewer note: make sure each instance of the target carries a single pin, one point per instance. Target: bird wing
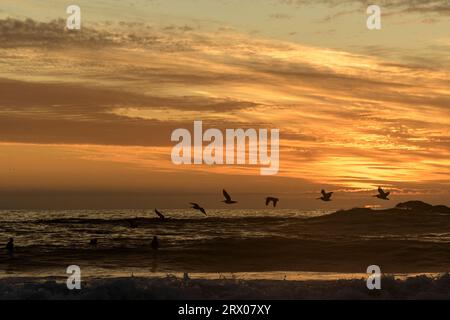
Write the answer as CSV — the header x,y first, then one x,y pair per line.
x,y
203,210
267,201
380,191
226,195
387,194
275,201
159,214
194,204
324,193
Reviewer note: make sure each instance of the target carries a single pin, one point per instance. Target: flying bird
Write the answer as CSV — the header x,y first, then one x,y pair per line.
x,y
227,198
326,196
273,200
197,207
159,214
382,195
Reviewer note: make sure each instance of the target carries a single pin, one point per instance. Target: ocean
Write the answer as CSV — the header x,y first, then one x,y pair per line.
x,y
268,244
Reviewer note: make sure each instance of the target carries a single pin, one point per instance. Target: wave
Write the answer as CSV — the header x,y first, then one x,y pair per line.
x,y
244,254
399,239
144,221
173,288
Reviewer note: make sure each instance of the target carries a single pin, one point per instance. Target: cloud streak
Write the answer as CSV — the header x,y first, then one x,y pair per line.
x,y
348,120
441,7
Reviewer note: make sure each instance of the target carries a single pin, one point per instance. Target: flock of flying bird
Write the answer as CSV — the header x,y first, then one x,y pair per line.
x,y
326,196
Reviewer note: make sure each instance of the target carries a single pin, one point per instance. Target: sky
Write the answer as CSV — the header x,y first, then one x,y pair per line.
x,y
86,116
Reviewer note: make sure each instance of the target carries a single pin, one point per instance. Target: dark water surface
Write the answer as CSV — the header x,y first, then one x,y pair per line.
x,y
224,241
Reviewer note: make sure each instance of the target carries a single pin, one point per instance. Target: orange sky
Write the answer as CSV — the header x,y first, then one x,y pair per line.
x,y
89,114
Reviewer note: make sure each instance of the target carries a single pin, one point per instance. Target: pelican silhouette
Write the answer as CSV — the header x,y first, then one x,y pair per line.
x,y
326,196
273,200
159,214
227,198
197,207
382,195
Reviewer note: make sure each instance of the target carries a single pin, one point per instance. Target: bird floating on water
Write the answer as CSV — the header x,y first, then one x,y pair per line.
x,y
326,196
155,243
273,200
228,199
133,223
196,206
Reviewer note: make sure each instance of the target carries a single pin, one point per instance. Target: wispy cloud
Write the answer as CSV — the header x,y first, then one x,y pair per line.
x,y
389,7
346,119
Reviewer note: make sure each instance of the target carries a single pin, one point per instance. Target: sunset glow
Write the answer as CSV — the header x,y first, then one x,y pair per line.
x,y
95,110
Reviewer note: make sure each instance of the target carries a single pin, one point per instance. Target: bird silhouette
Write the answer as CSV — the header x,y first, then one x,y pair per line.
x,y
133,223
382,195
10,247
227,198
155,243
160,215
273,200
326,196
197,207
